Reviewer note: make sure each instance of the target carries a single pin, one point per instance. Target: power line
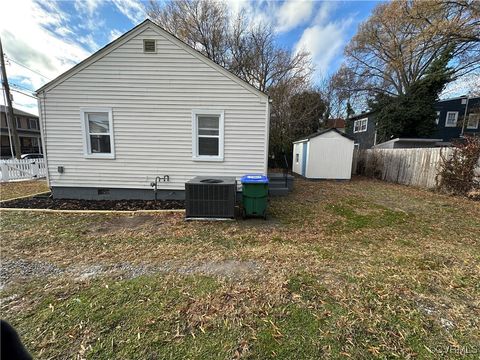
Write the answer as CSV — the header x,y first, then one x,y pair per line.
x,y
24,93
21,87
26,67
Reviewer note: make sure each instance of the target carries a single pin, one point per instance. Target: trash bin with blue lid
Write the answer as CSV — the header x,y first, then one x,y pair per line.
x,y
254,195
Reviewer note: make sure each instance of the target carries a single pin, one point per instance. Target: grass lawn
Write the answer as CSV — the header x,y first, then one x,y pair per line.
x,y
360,269
13,189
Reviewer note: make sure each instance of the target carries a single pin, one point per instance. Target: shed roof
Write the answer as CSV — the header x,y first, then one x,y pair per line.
x,y
321,132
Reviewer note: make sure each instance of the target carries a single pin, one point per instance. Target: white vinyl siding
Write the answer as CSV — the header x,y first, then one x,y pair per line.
x,y
360,125
473,120
451,119
152,97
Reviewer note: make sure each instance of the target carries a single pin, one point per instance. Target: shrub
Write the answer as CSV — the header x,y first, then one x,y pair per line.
x,y
458,171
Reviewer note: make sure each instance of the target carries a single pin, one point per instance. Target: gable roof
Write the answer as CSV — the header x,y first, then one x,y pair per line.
x,y
361,115
318,133
147,23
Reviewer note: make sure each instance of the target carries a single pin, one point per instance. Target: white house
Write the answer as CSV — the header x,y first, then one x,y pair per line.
x,y
145,106
326,154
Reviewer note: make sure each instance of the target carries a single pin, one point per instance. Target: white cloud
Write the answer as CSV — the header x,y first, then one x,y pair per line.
x,y
261,12
114,34
87,6
324,43
133,9
324,39
89,42
324,11
293,13
39,41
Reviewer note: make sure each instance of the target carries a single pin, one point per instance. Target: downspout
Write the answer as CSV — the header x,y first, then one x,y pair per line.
x,y
43,130
465,116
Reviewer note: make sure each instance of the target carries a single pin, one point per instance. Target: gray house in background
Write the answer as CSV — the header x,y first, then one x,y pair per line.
x,y
456,118
28,129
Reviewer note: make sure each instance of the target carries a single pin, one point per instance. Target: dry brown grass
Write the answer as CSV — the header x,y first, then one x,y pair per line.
x,y
13,189
345,269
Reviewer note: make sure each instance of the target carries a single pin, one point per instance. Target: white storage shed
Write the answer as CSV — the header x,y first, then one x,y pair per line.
x,y
326,154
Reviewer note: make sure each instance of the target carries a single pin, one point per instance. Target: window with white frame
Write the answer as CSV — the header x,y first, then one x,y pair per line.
x,y
437,118
451,119
360,125
208,134
297,157
473,120
98,132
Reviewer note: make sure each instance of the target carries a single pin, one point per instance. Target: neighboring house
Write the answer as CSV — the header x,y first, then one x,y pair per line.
x,y
450,125
147,105
362,129
450,118
28,130
326,154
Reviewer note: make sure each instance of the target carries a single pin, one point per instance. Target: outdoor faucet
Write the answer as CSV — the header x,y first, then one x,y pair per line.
x,y
158,179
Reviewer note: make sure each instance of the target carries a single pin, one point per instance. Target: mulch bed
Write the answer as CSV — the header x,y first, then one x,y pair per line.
x,y
45,202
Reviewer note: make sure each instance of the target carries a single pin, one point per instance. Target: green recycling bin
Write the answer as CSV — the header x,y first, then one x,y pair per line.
x,y
254,195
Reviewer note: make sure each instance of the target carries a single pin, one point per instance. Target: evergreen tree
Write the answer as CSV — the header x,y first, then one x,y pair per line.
x,y
413,114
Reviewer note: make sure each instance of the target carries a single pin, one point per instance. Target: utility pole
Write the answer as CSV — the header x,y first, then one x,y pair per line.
x,y
10,116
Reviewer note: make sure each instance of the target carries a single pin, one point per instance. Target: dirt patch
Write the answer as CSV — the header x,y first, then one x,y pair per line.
x,y
232,269
72,204
124,223
12,271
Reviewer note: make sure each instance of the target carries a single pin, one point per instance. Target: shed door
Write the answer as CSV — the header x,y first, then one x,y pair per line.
x,y
304,158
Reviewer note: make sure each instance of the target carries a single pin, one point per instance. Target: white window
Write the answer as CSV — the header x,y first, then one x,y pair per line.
x,y
437,118
207,142
473,120
98,133
451,119
360,125
19,122
297,156
464,101
32,123
149,46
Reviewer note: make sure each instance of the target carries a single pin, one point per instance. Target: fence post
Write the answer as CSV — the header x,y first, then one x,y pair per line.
x,y
35,169
4,170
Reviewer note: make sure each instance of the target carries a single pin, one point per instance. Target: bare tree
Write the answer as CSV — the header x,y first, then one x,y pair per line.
x,y
396,45
202,24
249,51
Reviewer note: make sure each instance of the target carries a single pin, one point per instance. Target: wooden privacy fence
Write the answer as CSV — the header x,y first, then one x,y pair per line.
x,y
22,169
416,167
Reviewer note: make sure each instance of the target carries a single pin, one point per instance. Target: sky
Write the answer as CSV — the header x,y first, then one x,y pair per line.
x,y
44,38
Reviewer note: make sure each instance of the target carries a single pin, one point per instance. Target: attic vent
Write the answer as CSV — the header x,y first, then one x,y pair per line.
x,y
149,46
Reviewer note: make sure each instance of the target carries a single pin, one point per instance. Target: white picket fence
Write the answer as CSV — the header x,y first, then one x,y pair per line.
x,y
22,169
